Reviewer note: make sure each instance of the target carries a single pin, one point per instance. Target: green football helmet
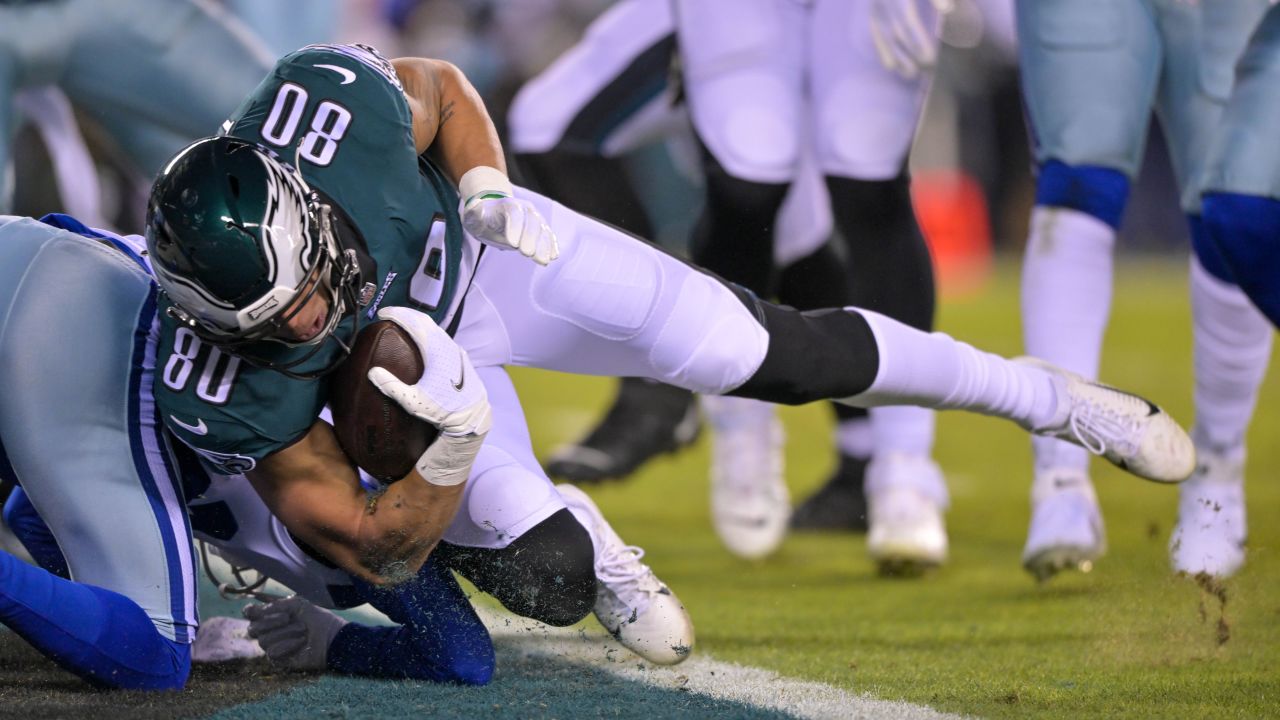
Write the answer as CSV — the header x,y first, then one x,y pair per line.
x,y
239,242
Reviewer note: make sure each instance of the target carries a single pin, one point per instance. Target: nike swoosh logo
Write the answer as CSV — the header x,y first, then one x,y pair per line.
x,y
462,374
198,429
348,77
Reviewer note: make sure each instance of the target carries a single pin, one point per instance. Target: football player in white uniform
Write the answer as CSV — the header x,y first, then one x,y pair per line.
x,y
611,92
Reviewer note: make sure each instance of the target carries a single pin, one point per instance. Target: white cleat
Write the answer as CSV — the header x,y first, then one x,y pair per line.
x,y
750,507
220,639
1126,429
906,497
631,602
1066,525
1210,534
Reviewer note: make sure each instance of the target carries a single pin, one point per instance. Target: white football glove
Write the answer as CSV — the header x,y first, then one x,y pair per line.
x,y
494,216
449,395
902,41
294,633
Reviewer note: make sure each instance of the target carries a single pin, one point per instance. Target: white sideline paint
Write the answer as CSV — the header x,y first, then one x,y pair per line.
x,y
699,674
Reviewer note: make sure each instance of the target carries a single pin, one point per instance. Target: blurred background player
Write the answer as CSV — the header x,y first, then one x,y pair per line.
x,y
1241,211
569,127
1091,74
763,78
152,85
612,92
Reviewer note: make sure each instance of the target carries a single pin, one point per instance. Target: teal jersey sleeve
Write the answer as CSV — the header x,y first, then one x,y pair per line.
x,y
339,115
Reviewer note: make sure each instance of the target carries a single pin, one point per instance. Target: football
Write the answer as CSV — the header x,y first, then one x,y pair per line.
x,y
375,432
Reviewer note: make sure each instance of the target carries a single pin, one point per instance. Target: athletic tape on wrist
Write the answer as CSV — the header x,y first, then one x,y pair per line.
x,y
448,460
483,181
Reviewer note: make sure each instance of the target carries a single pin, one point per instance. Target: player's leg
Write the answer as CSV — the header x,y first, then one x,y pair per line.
x,y
864,119
1241,201
840,504
185,69
567,127
1089,78
546,552
1231,338
614,305
110,498
743,68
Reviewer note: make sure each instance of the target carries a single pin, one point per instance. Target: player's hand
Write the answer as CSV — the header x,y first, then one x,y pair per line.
x,y
494,216
293,632
449,394
903,42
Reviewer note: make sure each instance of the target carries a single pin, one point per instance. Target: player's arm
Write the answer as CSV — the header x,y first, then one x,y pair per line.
x,y
450,122
452,126
314,490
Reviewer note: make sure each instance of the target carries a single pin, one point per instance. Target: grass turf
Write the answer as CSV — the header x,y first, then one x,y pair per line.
x,y
978,636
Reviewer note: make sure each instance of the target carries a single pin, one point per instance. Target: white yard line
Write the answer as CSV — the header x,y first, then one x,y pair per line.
x,y
699,674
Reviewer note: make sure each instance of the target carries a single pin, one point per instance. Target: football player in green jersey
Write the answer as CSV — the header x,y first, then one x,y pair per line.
x,y
329,199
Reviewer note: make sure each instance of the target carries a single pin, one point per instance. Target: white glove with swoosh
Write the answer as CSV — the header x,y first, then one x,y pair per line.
x,y
492,213
902,41
449,395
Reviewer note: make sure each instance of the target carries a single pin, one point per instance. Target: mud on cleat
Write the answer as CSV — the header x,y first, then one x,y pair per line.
x,y
1210,535
646,419
631,602
1066,530
1126,429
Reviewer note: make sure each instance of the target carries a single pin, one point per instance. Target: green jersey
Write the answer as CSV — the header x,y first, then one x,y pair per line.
x,y
339,114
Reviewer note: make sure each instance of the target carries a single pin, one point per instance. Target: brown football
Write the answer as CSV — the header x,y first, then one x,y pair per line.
x,y
375,432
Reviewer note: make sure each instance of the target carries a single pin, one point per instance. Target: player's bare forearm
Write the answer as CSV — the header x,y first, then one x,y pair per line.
x,y
315,492
450,122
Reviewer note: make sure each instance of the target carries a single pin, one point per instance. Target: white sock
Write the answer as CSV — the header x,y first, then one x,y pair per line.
x,y
854,437
903,429
731,413
936,371
1232,341
1066,300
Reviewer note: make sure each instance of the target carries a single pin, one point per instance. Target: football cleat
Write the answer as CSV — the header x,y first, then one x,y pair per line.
x,y
1210,534
1066,530
631,602
840,504
1126,429
906,498
647,419
750,506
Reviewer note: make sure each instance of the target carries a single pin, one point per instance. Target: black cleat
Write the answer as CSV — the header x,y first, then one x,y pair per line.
x,y
839,505
646,419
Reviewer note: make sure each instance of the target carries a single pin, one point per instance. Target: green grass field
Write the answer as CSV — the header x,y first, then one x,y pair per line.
x,y
978,636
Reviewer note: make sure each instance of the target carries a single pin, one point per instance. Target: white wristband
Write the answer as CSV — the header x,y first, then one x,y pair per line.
x,y
448,460
484,180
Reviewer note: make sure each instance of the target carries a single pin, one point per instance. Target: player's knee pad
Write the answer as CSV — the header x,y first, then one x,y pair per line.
x,y
710,342
1097,191
746,129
